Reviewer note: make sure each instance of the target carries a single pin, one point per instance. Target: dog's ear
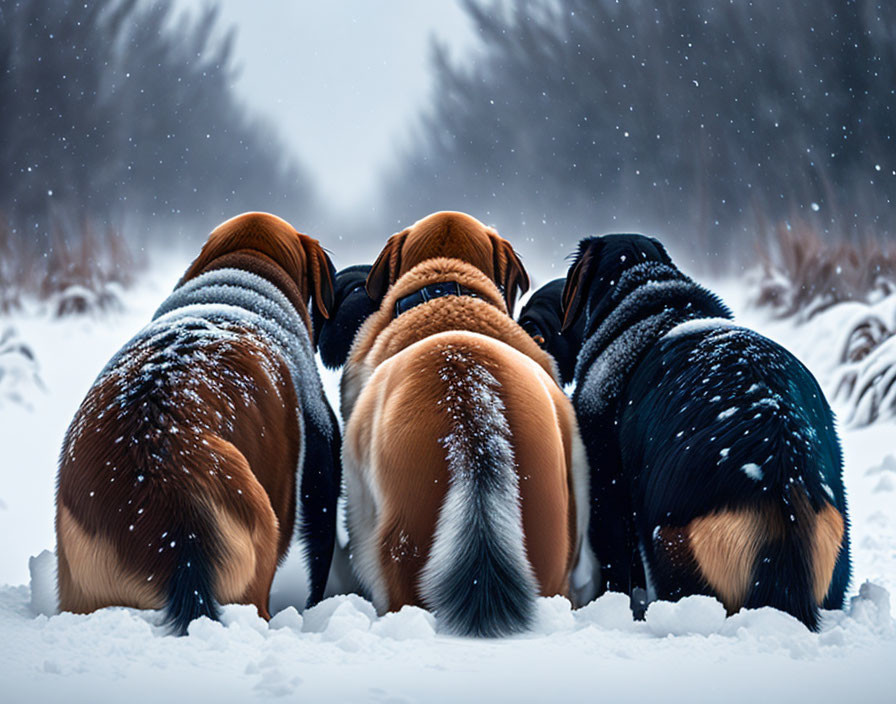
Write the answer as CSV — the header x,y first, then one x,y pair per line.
x,y
321,273
385,269
510,274
575,292
338,334
333,338
664,255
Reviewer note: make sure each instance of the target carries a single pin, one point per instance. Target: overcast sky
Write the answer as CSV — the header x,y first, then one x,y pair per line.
x,y
342,80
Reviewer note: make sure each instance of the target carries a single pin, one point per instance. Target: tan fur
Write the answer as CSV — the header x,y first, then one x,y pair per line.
x,y
252,547
240,566
396,468
378,339
393,438
725,545
826,543
92,574
455,235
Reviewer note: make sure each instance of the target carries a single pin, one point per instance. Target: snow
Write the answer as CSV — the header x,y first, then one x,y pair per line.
x,y
341,650
691,327
753,471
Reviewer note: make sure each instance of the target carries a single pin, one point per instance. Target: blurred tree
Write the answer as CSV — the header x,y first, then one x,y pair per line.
x,y
120,112
704,121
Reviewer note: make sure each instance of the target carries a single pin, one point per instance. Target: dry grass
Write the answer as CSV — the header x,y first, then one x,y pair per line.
x,y
80,271
10,285
802,274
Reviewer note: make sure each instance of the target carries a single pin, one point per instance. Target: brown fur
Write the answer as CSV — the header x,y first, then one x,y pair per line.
x,y
826,542
455,235
213,440
300,257
722,547
383,336
91,574
392,397
725,545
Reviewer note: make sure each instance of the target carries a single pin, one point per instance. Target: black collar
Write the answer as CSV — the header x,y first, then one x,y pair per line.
x,y
427,293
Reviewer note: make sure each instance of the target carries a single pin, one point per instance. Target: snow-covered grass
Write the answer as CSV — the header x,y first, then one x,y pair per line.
x,y
341,650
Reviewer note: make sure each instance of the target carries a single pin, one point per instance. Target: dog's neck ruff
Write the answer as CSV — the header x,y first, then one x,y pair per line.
x,y
649,300
431,291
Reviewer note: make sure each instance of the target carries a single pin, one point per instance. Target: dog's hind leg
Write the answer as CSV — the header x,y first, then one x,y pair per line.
x,y
764,555
247,532
91,573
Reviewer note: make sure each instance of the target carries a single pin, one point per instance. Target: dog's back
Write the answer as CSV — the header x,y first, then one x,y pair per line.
x,y
713,451
458,454
177,481
740,480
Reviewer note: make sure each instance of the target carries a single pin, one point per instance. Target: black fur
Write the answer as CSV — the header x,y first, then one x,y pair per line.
x,y
191,588
321,484
351,307
712,417
542,318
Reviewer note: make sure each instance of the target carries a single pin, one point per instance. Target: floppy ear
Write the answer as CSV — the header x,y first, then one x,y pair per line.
x,y
385,269
577,282
338,333
320,272
510,274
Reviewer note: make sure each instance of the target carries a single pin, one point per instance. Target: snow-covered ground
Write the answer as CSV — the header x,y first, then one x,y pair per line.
x,y
341,651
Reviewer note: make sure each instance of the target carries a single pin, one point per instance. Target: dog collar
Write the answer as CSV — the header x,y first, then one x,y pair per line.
x,y
427,293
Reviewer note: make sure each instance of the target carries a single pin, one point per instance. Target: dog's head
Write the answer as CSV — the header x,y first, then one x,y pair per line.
x,y
454,235
351,307
271,240
596,269
542,318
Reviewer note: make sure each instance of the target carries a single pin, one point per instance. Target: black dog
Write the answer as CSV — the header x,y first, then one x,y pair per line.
x,y
541,317
351,307
714,460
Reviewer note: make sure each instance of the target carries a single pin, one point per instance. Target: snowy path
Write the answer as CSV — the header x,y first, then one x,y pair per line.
x,y
341,651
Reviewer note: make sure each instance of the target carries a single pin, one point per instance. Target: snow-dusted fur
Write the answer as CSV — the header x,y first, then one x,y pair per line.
x,y
713,452
227,304
608,356
246,299
446,394
478,580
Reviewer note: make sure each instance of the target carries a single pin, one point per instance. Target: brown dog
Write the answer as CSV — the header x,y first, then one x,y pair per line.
x,y
179,474
463,462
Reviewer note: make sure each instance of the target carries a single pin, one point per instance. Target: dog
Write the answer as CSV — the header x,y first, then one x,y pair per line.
x,y
351,307
206,446
541,317
464,469
715,464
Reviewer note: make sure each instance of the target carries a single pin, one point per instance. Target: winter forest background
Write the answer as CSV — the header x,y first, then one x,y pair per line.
x,y
727,128
756,138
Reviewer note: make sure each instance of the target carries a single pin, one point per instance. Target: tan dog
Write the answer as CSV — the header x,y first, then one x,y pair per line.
x,y
179,474
464,467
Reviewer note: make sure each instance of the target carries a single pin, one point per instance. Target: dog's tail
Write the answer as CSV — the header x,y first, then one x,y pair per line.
x,y
197,550
803,531
223,554
478,579
794,566
788,549
190,591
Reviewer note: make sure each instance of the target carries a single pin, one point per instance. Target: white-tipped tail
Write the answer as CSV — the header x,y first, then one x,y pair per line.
x,y
478,579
